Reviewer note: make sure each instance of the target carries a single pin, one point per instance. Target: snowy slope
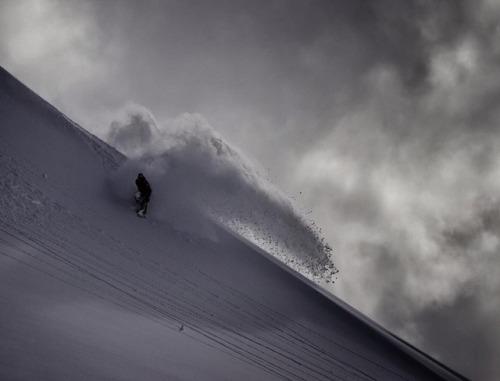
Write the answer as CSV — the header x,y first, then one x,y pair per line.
x,y
90,292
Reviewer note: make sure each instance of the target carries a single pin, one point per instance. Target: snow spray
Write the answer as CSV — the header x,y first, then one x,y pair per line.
x,y
195,174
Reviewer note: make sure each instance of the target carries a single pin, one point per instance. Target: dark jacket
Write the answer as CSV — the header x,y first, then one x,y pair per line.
x,y
143,187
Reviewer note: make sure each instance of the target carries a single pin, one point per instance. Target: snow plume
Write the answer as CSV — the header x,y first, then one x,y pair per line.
x,y
134,131
194,173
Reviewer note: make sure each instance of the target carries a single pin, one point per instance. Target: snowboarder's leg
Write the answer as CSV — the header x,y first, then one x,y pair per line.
x,y
142,202
143,207
138,197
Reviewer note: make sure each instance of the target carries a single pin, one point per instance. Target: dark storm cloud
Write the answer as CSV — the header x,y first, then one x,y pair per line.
x,y
410,171
458,327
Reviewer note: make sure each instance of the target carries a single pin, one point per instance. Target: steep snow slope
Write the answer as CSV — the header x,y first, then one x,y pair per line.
x,y
89,291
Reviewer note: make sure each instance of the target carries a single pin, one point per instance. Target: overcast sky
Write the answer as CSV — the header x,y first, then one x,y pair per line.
x,y
379,116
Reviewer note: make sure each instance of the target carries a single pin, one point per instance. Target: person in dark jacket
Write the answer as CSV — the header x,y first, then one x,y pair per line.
x,y
143,194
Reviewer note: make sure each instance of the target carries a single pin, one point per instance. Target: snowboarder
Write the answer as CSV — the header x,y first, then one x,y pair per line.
x,y
143,194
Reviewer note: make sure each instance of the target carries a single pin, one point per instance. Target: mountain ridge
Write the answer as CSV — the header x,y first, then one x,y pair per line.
x,y
72,253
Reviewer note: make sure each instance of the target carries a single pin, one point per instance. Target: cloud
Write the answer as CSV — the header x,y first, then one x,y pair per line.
x,y
411,176
58,39
60,50
461,334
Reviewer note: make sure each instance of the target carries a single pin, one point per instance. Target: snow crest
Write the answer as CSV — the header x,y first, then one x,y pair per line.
x,y
194,171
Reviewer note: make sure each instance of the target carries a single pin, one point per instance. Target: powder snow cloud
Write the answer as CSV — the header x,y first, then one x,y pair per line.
x,y
195,171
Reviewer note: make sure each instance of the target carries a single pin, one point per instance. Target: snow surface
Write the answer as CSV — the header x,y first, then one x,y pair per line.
x,y
88,291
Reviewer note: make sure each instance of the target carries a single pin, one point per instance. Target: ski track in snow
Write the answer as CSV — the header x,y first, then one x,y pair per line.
x,y
211,315
98,275
82,269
